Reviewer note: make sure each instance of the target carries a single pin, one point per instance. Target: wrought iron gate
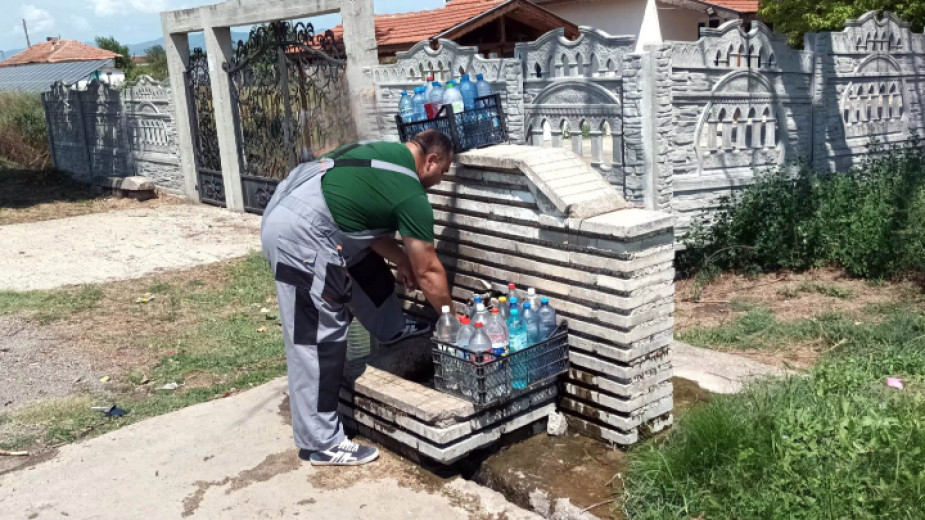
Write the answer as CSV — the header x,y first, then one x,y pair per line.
x,y
205,139
289,91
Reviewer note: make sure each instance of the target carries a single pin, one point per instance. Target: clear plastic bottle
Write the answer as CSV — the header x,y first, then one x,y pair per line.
x,y
520,373
480,346
468,91
532,322
446,331
428,86
512,290
547,317
420,113
453,97
533,298
504,307
483,88
465,332
496,329
481,314
435,99
405,108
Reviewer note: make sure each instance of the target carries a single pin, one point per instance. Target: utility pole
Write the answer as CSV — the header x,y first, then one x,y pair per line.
x,y
26,30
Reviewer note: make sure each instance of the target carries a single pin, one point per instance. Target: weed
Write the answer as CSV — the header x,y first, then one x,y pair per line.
x,y
23,137
50,306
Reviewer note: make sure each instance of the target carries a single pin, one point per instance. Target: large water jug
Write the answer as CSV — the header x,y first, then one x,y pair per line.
x,y
405,108
482,87
547,317
532,322
468,91
420,113
517,330
453,97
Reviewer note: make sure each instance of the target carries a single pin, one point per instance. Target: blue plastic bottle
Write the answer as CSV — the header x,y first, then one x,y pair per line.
x,y
482,87
532,322
469,92
420,113
517,330
547,317
405,108
513,303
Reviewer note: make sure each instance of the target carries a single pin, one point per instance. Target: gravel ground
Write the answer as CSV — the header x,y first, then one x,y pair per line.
x,y
121,245
36,363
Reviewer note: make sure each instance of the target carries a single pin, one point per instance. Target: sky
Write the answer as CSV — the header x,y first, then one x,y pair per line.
x,y
129,21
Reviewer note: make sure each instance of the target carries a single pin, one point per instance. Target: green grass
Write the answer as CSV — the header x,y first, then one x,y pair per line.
x,y
222,352
50,306
836,443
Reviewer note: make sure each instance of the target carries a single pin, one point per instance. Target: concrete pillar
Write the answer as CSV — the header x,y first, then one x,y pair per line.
x,y
362,53
176,46
219,50
650,31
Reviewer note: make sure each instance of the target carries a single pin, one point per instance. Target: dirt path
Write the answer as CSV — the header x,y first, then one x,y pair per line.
x,y
121,245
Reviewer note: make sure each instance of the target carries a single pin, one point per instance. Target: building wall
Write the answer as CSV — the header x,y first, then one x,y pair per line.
x,y
105,132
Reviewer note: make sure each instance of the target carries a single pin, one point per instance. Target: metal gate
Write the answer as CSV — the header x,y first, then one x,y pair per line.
x,y
289,92
205,139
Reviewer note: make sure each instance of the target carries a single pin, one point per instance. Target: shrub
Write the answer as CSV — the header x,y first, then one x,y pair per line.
x,y
867,221
23,136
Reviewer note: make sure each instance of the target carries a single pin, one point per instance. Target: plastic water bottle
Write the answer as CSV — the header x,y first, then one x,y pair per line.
x,y
512,291
447,330
514,303
447,326
547,317
504,307
520,370
468,91
481,314
532,322
465,332
482,87
533,298
453,97
463,337
496,329
417,102
428,86
435,99
405,108
480,346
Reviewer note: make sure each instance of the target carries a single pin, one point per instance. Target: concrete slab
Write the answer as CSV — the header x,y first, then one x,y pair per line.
x,y
231,458
718,372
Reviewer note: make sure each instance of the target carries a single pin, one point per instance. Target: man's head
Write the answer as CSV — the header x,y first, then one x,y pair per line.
x,y
433,154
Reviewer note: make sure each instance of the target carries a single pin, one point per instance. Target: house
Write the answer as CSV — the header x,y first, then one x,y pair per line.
x,y
69,61
494,26
679,20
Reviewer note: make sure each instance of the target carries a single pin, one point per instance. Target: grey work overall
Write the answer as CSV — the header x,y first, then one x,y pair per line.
x,y
319,289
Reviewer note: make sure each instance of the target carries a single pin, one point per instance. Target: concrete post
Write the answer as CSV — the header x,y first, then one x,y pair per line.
x,y
362,53
648,115
176,46
219,51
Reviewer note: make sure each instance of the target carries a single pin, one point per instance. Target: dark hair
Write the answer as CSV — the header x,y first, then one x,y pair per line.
x,y
434,141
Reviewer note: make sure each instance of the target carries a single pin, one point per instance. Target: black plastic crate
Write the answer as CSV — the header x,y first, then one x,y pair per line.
x,y
482,126
488,380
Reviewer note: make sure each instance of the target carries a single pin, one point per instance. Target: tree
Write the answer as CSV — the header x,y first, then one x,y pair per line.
x,y
124,60
794,18
157,62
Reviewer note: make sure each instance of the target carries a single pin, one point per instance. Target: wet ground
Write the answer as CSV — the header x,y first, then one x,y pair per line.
x,y
537,472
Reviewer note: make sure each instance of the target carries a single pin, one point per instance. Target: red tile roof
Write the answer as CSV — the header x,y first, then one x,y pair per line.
x,y
742,6
57,51
411,28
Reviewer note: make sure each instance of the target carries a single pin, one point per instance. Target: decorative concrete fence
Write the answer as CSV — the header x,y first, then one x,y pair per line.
x,y
104,132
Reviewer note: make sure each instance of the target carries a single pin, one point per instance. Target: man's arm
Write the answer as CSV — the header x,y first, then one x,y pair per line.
x,y
387,248
431,276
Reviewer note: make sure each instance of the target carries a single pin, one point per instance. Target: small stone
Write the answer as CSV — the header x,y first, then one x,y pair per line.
x,y
556,424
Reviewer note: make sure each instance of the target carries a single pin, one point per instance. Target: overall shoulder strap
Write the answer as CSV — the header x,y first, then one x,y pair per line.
x,y
375,163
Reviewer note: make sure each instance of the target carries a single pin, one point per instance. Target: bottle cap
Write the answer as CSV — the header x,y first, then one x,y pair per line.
x,y
478,325
464,77
531,291
450,84
479,307
511,286
515,312
527,305
430,78
502,299
464,320
436,83
445,309
477,299
479,76
404,92
514,300
544,300
495,311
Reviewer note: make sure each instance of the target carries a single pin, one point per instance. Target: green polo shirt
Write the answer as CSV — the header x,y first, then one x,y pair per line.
x,y
363,199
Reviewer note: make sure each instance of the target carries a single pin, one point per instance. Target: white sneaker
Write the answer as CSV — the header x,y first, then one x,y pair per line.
x,y
347,453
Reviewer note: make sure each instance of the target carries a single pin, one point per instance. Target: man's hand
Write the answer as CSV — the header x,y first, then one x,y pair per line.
x,y
406,275
428,272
